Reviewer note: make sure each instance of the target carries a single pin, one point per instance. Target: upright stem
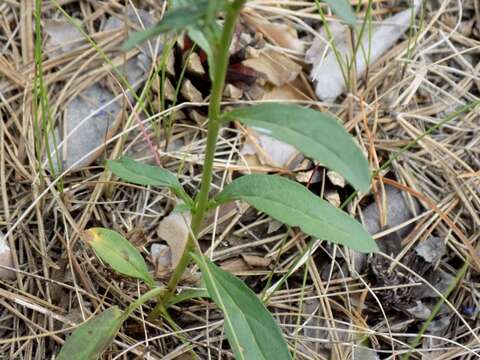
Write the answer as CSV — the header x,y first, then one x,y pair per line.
x,y
201,202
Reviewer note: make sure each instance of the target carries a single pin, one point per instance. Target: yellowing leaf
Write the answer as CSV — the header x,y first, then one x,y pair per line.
x,y
118,252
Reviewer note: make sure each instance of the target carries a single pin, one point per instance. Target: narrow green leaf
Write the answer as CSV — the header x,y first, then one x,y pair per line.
x,y
316,134
178,18
214,8
119,253
182,208
188,295
148,175
344,10
90,339
295,205
206,37
250,328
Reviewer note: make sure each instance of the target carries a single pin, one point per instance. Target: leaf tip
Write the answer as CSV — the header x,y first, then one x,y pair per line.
x,y
91,235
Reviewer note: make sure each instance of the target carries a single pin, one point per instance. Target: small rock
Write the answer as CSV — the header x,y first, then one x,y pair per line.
x,y
91,117
398,211
6,259
420,310
161,256
431,250
336,179
363,353
63,37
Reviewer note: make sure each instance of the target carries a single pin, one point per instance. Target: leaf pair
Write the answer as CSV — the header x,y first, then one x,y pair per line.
x,y
250,328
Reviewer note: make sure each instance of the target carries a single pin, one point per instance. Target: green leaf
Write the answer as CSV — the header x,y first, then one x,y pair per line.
x,y
119,253
206,37
182,208
178,18
295,205
148,175
90,339
214,8
318,135
188,295
343,9
250,328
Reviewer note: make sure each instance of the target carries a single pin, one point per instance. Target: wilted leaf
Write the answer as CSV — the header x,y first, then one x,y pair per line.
x,y
148,175
279,33
318,135
276,67
295,205
267,150
119,253
90,339
251,330
343,9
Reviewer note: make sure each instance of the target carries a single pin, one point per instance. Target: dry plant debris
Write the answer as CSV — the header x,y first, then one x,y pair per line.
x,y
424,208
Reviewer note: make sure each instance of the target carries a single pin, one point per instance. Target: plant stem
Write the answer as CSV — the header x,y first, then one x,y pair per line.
x,y
201,203
153,293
